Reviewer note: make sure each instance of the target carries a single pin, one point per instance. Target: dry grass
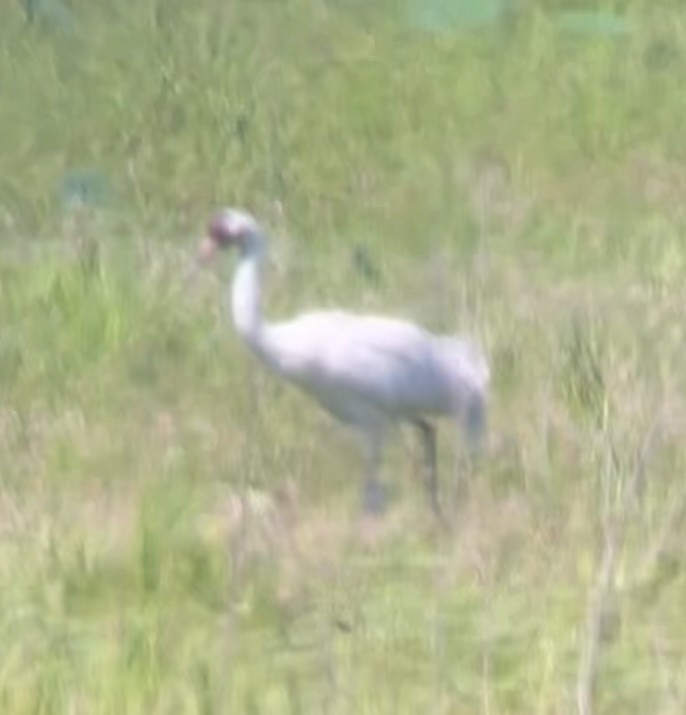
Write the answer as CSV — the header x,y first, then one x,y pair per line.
x,y
180,532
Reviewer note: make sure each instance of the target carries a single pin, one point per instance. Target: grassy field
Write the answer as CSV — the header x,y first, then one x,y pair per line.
x,y
180,531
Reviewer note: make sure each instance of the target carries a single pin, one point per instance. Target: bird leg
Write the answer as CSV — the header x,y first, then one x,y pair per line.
x,y
374,496
428,434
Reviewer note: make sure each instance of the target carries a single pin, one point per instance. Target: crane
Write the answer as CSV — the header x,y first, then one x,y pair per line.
x,y
368,371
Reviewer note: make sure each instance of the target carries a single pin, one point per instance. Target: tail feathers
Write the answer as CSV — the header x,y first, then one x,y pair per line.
x,y
466,362
471,377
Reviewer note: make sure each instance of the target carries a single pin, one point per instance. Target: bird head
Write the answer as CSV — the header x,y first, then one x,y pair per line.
x,y
230,227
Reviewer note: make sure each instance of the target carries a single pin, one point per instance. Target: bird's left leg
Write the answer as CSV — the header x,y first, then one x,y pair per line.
x,y
428,433
374,496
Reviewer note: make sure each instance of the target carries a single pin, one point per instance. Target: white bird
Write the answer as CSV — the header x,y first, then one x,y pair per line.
x,y
368,371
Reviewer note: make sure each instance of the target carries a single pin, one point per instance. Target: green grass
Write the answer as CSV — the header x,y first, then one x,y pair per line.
x,y
180,531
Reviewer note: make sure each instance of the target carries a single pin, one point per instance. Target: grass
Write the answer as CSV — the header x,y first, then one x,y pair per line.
x,y
179,530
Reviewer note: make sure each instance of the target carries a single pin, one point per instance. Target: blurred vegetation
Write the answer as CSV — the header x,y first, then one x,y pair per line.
x,y
179,531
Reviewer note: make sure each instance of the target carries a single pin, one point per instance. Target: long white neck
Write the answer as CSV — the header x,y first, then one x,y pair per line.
x,y
246,299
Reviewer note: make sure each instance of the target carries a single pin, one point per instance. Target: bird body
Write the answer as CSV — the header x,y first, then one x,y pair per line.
x,y
388,365
368,371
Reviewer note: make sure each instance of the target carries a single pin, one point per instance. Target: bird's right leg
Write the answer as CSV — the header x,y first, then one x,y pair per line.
x,y
374,495
428,434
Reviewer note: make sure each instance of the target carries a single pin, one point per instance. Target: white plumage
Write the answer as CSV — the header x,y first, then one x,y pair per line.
x,y
368,371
